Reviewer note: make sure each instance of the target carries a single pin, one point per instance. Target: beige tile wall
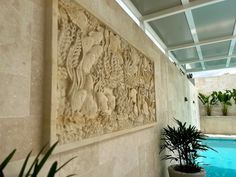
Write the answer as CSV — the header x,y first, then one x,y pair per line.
x,y
21,94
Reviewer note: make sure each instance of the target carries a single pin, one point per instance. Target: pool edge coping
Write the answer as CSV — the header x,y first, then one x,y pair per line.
x,y
220,136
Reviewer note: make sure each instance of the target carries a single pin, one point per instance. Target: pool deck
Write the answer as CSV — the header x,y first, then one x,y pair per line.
x,y
218,136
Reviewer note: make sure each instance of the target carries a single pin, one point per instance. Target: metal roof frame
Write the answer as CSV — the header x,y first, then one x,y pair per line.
x,y
179,9
186,7
149,31
204,42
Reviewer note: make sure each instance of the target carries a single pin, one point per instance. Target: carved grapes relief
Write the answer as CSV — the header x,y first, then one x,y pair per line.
x,y
103,83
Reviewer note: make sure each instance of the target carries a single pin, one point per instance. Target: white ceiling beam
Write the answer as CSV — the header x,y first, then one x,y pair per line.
x,y
207,59
131,10
148,30
210,68
201,43
192,27
231,48
179,9
144,26
176,61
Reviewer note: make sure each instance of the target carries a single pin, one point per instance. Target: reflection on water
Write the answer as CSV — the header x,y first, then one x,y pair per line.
x,y
223,162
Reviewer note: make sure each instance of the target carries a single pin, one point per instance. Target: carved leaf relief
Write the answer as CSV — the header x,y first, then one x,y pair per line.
x,y
104,84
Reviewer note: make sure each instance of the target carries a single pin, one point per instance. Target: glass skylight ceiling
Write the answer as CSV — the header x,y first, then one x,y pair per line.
x,y
199,35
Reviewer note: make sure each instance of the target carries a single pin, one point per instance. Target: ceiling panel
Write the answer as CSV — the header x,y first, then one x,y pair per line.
x,y
150,6
217,49
186,54
212,21
215,20
173,30
215,63
233,61
234,51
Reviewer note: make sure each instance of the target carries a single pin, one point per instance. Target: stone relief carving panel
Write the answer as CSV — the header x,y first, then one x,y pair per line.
x,y
104,84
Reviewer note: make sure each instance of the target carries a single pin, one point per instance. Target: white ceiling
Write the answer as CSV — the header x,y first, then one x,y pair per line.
x,y
199,35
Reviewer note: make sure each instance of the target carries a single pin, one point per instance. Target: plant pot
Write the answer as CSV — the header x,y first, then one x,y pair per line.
x,y
174,173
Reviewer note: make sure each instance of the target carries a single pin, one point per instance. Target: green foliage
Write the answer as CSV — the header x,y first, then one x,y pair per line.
x,y
37,165
208,101
233,93
203,98
224,98
184,143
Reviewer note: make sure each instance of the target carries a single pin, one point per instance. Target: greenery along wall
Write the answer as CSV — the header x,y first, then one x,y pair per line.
x,y
224,98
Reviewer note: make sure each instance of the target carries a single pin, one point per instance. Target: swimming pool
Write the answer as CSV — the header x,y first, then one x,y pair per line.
x,y
223,162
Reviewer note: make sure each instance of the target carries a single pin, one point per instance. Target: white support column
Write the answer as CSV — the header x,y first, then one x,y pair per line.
x,y
231,48
144,26
192,27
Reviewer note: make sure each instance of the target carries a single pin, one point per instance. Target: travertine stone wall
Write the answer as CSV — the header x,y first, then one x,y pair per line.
x,y
15,66
130,155
220,83
21,75
172,88
104,84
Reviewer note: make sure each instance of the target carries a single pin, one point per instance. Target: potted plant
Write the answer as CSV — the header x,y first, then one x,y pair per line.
x,y
183,144
208,101
224,99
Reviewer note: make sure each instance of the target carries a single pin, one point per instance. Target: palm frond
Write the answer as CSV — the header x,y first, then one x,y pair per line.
x,y
183,142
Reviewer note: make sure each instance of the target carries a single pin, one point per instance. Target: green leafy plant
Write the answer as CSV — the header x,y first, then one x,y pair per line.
x,y
233,93
208,101
37,165
224,98
184,143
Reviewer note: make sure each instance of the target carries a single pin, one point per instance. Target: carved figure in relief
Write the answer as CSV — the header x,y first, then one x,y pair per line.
x,y
106,101
133,97
111,99
104,84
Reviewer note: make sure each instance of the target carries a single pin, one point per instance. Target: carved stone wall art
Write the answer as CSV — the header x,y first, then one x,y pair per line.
x,y
104,85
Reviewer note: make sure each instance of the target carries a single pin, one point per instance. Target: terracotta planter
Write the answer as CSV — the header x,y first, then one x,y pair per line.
x,y
174,173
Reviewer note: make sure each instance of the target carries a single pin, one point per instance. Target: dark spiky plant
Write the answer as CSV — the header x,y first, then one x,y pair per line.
x,y
224,98
183,144
208,101
5,162
33,169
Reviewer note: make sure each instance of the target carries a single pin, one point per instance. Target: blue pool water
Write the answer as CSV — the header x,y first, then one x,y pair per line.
x,y
223,162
